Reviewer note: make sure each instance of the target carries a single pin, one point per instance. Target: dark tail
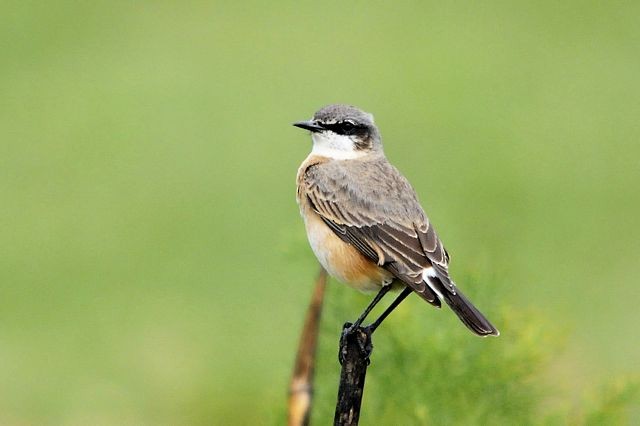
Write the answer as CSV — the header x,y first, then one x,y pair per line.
x,y
464,309
469,314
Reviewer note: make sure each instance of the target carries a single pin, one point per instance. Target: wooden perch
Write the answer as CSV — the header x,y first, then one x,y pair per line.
x,y
301,386
355,348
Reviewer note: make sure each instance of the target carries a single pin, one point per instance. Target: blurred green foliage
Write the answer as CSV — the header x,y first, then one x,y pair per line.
x,y
153,267
423,374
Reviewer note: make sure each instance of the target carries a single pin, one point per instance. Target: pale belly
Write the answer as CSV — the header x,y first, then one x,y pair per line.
x,y
342,260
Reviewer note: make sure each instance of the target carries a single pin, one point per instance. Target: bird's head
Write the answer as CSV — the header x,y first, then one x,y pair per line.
x,y
342,132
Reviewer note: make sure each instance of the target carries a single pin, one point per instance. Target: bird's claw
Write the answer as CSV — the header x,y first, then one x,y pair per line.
x,y
362,336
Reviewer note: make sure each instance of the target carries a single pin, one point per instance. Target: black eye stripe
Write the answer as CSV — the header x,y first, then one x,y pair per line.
x,y
345,128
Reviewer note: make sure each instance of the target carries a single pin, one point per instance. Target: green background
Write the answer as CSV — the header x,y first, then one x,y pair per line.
x,y
153,265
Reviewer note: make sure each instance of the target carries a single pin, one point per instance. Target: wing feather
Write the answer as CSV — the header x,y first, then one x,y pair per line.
x,y
381,218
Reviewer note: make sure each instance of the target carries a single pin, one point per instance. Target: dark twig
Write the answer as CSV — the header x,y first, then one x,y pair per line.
x,y
301,386
355,348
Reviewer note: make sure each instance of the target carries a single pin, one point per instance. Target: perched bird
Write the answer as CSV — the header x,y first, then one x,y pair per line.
x,y
364,222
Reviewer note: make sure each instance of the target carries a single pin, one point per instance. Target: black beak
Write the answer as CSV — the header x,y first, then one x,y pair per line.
x,y
310,125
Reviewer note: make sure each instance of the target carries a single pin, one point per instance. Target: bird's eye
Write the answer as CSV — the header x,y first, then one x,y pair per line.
x,y
347,126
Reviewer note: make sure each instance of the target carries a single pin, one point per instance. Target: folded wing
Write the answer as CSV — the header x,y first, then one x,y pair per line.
x,y
382,219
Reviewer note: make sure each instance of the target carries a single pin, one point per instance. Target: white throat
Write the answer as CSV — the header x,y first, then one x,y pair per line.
x,y
334,146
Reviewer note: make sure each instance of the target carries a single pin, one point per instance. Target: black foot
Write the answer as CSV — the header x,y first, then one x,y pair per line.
x,y
347,329
360,337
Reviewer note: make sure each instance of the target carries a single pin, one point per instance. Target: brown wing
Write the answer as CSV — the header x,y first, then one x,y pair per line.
x,y
372,206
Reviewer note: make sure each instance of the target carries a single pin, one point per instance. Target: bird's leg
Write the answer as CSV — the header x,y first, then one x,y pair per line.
x,y
348,328
384,290
372,327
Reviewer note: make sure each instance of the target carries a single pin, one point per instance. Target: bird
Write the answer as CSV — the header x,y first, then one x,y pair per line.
x,y
365,224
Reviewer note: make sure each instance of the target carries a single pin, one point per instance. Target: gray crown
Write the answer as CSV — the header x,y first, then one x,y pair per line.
x,y
339,112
